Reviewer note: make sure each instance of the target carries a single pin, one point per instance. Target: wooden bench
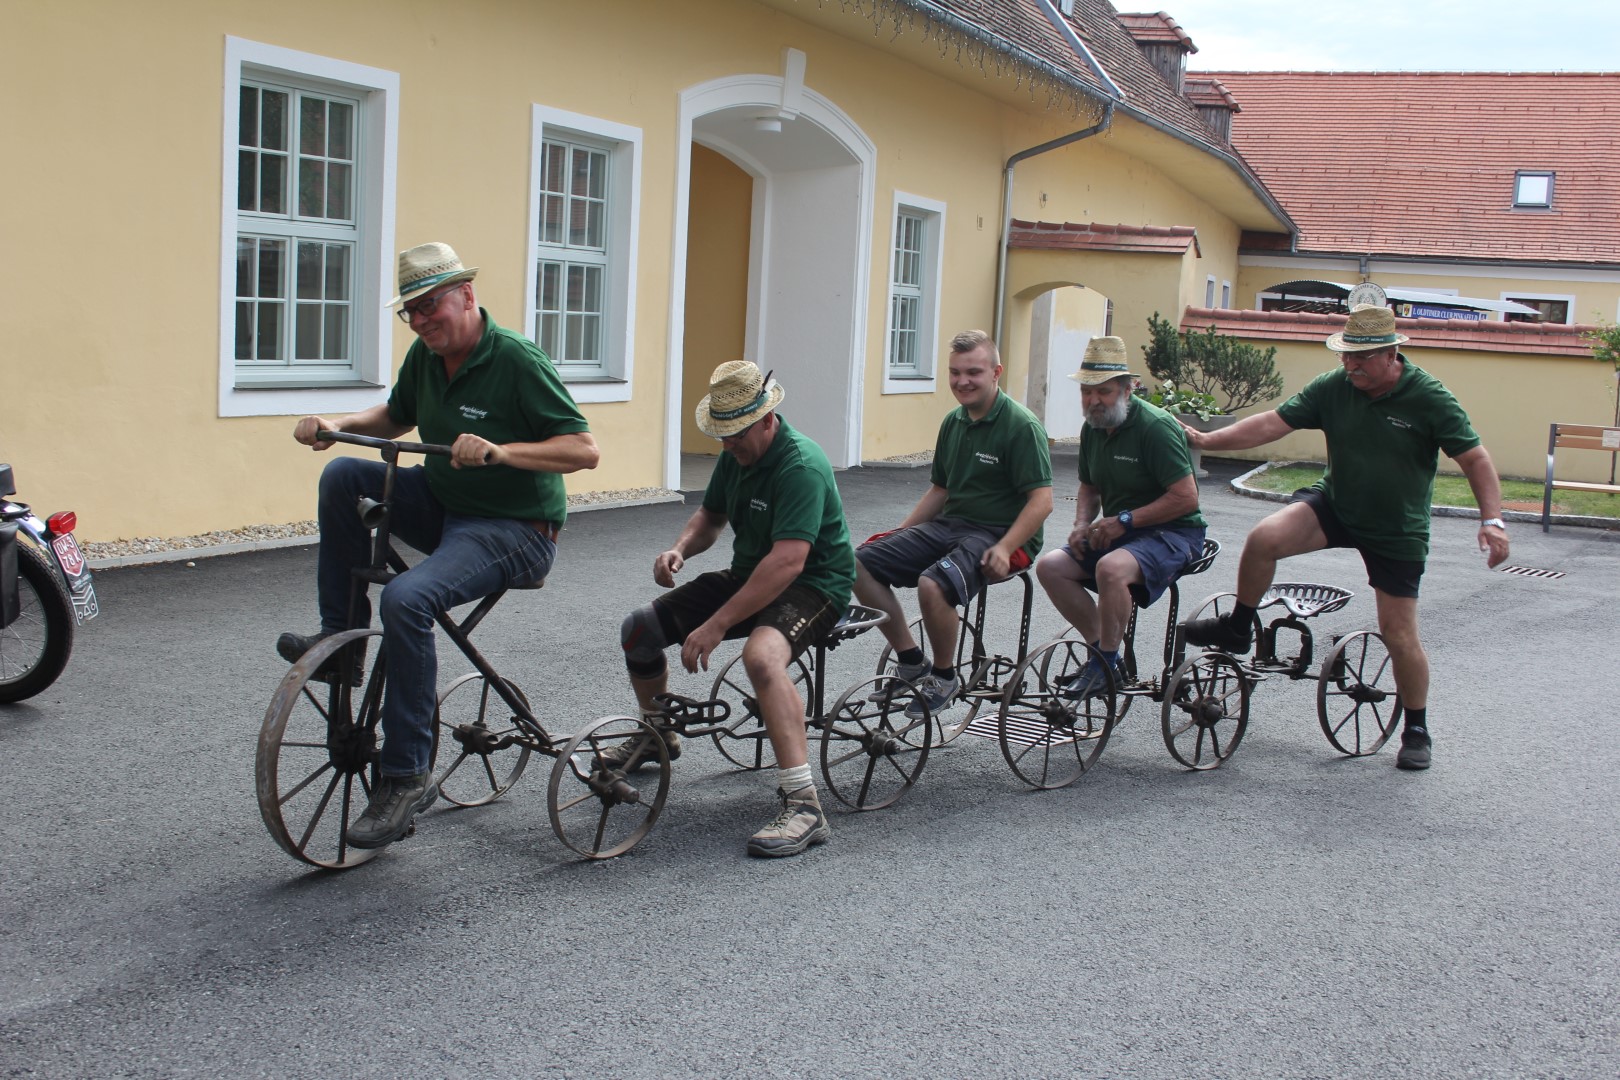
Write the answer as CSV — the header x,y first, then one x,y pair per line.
x,y
1577,437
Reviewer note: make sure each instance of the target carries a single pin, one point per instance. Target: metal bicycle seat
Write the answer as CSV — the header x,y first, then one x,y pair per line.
x,y
1305,600
1203,561
856,620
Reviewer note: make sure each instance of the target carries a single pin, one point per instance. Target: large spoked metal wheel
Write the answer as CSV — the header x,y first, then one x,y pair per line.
x,y
1355,695
744,742
971,668
603,808
872,751
477,741
35,647
1049,737
1205,711
317,758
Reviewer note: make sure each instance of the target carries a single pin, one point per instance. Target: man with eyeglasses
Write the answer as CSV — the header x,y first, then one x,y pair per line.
x,y
487,517
789,581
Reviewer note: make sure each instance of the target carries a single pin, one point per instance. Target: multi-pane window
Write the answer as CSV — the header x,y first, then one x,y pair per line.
x,y
906,294
571,293
297,233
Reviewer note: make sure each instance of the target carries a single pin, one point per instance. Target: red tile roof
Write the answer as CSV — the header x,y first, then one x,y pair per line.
x,y
1423,163
1532,339
1157,28
1207,93
1083,236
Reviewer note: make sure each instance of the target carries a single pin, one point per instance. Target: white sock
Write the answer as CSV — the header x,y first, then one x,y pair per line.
x,y
791,780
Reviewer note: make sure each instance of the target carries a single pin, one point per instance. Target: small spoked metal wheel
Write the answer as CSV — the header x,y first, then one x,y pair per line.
x,y
873,750
1355,694
952,720
477,743
608,786
744,742
1049,734
317,757
1206,710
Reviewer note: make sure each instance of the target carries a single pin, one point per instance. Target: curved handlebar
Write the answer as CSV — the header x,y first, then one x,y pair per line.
x,y
379,444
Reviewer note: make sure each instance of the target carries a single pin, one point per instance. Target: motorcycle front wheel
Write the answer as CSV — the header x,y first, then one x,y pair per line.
x,y
35,648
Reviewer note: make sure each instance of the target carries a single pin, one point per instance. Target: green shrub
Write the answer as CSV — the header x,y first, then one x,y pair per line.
x,y
1204,362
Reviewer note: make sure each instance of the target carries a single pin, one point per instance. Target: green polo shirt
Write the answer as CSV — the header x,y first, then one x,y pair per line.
x,y
789,494
1382,453
988,467
506,391
1138,461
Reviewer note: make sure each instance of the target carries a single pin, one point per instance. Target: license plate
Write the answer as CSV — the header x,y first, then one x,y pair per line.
x,y
67,550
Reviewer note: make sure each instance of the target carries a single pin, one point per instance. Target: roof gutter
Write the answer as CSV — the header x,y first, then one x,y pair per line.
x,y
1115,96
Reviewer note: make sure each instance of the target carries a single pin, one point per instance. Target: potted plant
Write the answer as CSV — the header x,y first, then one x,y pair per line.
x,y
1192,367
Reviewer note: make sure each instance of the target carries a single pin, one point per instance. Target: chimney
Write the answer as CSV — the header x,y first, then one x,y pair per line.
x,y
1215,105
1163,42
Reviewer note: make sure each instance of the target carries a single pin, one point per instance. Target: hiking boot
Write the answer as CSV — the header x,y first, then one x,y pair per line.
x,y
614,757
291,648
1089,681
1414,749
1223,632
908,672
800,825
937,692
395,802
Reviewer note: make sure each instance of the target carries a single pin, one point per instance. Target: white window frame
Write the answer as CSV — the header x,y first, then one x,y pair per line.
x,y
376,156
1519,202
932,213
1209,291
1520,294
612,380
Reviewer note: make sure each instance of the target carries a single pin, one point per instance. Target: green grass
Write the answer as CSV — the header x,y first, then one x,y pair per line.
x,y
1454,491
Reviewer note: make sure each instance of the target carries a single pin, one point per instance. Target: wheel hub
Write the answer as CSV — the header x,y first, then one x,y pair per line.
x,y
351,748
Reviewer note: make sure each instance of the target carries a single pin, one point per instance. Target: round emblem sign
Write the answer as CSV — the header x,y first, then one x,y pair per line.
x,y
1366,293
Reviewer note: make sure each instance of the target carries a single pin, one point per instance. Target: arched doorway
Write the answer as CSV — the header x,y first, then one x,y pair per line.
x,y
1063,318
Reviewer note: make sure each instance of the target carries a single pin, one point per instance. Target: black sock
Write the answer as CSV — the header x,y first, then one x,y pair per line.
x,y
1417,718
913,655
1242,613
944,673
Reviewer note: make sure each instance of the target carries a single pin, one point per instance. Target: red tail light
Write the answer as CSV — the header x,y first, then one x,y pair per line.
x,y
63,521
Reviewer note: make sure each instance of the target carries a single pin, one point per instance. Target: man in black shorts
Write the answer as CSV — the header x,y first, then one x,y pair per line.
x,y
979,521
791,570
1386,420
1136,519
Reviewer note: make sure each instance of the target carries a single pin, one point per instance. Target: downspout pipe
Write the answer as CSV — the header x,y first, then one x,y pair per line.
x,y
1062,26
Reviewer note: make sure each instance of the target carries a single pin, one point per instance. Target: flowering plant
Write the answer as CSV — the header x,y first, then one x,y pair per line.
x,y
1171,398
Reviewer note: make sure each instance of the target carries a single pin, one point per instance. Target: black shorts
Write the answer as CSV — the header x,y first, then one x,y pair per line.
x,y
1397,577
800,613
947,550
1161,554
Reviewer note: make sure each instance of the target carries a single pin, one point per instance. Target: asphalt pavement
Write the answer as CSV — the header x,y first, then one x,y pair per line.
x,y
1293,913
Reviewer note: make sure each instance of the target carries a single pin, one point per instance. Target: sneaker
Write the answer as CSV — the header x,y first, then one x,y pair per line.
x,y
1222,632
937,692
1089,681
395,802
1414,749
800,825
908,672
291,648
620,752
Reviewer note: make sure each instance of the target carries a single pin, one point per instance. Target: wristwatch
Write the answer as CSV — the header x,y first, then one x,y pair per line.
x,y
1498,522
1124,518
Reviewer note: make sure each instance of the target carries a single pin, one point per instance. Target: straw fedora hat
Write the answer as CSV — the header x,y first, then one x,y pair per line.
x,y
738,396
1370,327
427,266
1104,360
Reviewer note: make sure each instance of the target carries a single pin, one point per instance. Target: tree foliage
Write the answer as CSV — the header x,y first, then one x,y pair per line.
x,y
1205,362
1605,341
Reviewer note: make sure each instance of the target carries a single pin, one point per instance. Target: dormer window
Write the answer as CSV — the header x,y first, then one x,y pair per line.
x,y
1532,189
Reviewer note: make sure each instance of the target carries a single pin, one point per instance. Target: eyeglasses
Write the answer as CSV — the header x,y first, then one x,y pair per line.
x,y
738,436
425,306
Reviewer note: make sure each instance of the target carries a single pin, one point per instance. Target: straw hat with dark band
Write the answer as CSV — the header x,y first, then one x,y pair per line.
x,y
1104,360
738,396
1370,327
426,267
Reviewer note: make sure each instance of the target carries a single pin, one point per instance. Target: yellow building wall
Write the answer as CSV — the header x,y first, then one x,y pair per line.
x,y
111,323
716,281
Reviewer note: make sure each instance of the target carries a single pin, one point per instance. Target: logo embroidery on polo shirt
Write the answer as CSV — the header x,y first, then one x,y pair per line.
x,y
1126,457
986,459
758,504
473,413
1395,421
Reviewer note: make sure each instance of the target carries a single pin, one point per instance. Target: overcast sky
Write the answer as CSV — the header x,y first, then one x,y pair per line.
x,y
1421,35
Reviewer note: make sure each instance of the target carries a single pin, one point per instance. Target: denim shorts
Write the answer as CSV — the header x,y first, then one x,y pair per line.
x,y
1397,577
800,613
1161,553
946,550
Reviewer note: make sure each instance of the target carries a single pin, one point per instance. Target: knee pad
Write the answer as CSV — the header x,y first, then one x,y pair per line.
x,y
642,637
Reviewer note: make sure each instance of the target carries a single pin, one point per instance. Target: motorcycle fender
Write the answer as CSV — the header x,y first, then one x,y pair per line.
x,y
10,596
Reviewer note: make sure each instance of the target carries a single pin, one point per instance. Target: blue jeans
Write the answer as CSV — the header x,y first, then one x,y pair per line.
x,y
467,559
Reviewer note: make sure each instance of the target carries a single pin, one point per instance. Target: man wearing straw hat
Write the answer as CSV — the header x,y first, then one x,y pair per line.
x,y
1136,522
487,516
1385,420
788,584
980,520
